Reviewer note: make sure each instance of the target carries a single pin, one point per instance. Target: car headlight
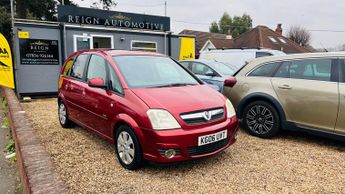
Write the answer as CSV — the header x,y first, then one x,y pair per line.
x,y
230,111
162,119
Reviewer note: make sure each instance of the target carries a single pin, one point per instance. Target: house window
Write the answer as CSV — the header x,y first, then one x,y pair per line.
x,y
282,40
143,46
273,39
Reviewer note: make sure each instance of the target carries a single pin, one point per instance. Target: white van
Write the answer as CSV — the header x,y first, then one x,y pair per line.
x,y
237,57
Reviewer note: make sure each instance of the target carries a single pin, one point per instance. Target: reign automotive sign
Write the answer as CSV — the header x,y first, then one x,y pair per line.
x,y
78,15
39,52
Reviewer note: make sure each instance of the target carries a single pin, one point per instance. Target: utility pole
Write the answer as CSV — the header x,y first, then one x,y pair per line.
x,y
12,15
165,8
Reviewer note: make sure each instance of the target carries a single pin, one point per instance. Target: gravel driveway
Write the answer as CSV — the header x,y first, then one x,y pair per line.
x,y
290,163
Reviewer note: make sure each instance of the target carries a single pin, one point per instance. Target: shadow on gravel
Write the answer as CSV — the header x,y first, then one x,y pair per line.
x,y
310,138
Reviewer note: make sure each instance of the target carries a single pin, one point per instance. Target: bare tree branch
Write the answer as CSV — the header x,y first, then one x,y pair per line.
x,y
299,35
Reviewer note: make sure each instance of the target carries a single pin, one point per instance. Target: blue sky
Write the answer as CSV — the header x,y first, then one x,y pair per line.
x,y
324,18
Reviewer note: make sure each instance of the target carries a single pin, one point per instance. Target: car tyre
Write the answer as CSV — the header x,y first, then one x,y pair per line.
x,y
261,119
127,148
64,120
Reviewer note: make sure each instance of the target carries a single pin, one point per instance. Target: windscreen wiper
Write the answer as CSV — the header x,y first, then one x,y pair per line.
x,y
174,85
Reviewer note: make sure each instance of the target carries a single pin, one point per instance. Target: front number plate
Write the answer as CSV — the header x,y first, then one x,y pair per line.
x,y
207,139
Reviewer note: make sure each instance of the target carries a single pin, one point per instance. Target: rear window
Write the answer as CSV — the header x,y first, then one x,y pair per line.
x,y
152,71
262,54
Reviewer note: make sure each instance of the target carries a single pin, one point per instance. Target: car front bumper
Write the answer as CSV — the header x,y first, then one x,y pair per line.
x,y
185,142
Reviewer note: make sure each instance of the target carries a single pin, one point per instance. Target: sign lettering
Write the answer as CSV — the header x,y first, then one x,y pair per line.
x,y
78,15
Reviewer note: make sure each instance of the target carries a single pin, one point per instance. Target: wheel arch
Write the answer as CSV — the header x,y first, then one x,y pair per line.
x,y
124,119
264,97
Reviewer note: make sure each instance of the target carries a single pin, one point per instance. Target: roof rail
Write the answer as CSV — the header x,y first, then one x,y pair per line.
x,y
242,48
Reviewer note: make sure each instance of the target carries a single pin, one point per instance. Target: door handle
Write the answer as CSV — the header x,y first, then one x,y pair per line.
x,y
83,93
285,87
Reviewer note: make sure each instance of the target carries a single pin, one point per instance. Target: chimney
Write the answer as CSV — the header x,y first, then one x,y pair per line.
x,y
279,29
228,36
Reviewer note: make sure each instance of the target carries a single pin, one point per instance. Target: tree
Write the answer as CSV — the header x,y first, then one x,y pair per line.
x,y
241,25
214,27
234,26
299,35
5,24
39,9
225,23
104,4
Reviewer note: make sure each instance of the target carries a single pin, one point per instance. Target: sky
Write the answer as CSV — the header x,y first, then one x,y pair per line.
x,y
323,18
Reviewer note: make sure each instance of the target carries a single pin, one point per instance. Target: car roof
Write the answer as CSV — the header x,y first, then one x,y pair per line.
x,y
262,60
115,52
199,60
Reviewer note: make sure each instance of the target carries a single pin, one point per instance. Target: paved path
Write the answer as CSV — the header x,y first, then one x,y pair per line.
x,y
8,171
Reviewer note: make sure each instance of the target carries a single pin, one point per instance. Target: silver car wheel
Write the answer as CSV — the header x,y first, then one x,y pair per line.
x,y
125,147
260,119
62,113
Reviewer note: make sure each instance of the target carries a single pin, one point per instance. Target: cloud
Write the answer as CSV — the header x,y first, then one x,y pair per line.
x,y
325,15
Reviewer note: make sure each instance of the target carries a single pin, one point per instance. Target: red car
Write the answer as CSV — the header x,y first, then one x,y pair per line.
x,y
147,104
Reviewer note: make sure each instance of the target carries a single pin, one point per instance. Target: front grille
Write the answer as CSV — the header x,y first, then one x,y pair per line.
x,y
209,148
199,117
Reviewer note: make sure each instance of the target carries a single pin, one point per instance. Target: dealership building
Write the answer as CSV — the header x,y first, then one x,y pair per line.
x,y
40,47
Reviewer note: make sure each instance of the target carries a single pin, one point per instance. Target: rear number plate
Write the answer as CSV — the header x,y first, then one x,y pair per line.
x,y
207,139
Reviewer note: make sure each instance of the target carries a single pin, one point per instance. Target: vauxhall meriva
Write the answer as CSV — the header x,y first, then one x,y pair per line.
x,y
148,105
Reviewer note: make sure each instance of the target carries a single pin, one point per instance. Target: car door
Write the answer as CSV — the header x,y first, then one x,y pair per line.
x,y
207,74
308,92
75,86
340,126
97,119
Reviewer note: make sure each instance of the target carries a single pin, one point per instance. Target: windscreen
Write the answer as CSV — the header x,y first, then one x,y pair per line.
x,y
152,71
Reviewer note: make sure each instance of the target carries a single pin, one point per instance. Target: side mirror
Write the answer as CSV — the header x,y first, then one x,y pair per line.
x,y
97,83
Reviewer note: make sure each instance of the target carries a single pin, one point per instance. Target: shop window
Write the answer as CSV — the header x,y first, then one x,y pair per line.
x,y
82,43
143,46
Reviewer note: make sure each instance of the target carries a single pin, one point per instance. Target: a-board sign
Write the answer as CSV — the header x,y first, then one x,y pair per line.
x,y
39,52
6,65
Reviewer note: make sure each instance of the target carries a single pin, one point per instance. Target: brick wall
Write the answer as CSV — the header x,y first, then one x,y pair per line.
x,y
36,169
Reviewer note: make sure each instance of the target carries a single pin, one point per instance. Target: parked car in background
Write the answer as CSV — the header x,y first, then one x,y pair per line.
x,y
293,92
145,103
237,57
212,72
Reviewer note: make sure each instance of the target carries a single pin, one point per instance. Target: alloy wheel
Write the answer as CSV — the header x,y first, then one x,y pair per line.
x,y
125,147
62,113
259,119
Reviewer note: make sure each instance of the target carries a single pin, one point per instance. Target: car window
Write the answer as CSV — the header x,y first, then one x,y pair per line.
x,y
97,68
312,69
264,70
152,71
77,71
201,69
184,64
262,54
224,69
114,81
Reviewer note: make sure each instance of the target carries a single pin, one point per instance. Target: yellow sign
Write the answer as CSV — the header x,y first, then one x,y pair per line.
x,y
187,50
6,67
22,34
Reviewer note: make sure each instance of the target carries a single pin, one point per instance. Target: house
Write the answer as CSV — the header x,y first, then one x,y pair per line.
x,y
264,37
258,37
